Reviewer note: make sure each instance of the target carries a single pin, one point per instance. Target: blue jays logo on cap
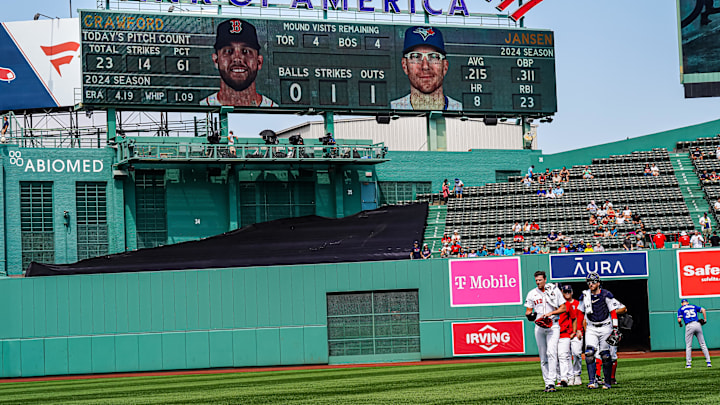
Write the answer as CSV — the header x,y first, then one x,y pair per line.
x,y
416,36
424,32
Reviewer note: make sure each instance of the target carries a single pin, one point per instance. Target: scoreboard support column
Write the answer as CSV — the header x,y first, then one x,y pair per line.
x,y
436,134
329,122
111,124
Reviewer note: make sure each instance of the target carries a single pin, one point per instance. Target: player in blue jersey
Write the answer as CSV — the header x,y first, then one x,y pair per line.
x,y
693,327
602,326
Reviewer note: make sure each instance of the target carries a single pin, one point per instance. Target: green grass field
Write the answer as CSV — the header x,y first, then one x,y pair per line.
x,y
642,381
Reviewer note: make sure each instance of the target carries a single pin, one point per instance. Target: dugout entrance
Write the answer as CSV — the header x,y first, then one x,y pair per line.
x,y
634,295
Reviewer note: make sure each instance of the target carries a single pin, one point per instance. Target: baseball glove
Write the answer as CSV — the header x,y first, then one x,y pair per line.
x,y
544,322
614,338
702,321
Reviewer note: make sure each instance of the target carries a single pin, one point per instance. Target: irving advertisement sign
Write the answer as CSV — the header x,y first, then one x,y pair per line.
x,y
484,338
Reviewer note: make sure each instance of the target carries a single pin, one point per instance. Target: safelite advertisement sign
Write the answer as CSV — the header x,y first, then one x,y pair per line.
x,y
699,273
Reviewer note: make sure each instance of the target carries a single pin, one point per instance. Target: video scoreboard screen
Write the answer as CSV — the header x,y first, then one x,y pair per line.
x,y
185,62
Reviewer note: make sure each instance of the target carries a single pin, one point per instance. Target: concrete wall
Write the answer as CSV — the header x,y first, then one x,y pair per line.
x,y
253,316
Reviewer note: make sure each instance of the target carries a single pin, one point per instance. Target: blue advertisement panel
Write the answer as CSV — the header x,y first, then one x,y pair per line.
x,y
607,265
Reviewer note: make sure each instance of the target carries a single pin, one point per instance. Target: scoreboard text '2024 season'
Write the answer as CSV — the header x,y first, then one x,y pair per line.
x,y
185,62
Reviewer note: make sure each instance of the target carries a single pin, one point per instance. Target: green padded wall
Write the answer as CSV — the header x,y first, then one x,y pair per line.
x,y
252,316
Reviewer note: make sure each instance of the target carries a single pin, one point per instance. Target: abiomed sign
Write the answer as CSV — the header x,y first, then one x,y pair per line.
x,y
479,282
699,273
484,338
55,165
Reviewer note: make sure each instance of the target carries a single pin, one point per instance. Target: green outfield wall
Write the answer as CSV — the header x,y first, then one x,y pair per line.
x,y
257,316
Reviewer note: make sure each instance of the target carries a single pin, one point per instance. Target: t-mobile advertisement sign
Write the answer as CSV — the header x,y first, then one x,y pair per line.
x,y
478,282
483,338
699,273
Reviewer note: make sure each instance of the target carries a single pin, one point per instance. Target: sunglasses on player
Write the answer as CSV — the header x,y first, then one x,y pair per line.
x,y
416,57
592,282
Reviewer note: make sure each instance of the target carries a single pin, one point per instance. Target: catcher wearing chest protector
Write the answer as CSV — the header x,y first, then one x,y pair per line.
x,y
602,328
543,305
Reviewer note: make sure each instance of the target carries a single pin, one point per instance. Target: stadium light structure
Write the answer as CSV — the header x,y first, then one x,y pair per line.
x,y
38,15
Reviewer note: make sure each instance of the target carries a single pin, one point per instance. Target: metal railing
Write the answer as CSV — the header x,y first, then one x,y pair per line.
x,y
129,150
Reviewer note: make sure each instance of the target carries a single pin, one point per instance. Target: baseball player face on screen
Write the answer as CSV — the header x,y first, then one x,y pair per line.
x,y
238,60
693,327
543,305
425,63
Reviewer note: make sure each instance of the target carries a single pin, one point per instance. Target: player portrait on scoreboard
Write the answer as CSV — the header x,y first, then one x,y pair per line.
x,y
424,62
237,58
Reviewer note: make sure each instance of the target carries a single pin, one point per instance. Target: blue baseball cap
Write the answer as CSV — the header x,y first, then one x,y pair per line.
x,y
416,36
683,300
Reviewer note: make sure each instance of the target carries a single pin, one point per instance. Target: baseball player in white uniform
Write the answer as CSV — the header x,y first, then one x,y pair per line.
x,y
543,305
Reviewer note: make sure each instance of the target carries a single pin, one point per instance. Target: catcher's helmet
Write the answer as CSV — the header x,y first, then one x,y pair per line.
x,y
592,277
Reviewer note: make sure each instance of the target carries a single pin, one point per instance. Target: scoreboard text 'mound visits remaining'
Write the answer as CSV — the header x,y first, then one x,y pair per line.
x,y
183,62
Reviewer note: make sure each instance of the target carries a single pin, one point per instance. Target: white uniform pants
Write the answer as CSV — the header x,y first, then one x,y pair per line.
x,y
570,358
595,336
547,342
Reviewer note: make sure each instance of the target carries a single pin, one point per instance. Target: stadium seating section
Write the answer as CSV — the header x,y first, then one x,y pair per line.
x,y
709,163
489,211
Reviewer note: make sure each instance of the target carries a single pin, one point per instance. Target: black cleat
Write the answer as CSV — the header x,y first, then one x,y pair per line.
x,y
550,388
613,381
563,383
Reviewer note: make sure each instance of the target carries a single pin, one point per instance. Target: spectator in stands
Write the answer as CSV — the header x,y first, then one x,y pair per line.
x,y
704,176
545,249
509,250
601,213
426,253
715,239
697,240
627,213
705,225
592,207
542,193
716,207
627,242
598,247
636,218
455,248
593,220
552,236
415,253
589,248
516,228
534,226
620,219
655,170
640,243
527,181
446,239
713,177
570,246
647,171
684,239
526,227
580,247
607,205
542,178
499,250
587,173
659,240
530,171
462,252
526,250
500,242
558,191
458,188
550,194
473,253
562,249
599,232
445,191
534,248
561,236
565,174
519,238
445,250
456,236
611,213
697,154
483,251
556,177
607,233
717,152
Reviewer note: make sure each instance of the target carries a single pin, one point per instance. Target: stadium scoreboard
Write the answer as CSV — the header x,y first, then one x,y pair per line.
x,y
166,61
